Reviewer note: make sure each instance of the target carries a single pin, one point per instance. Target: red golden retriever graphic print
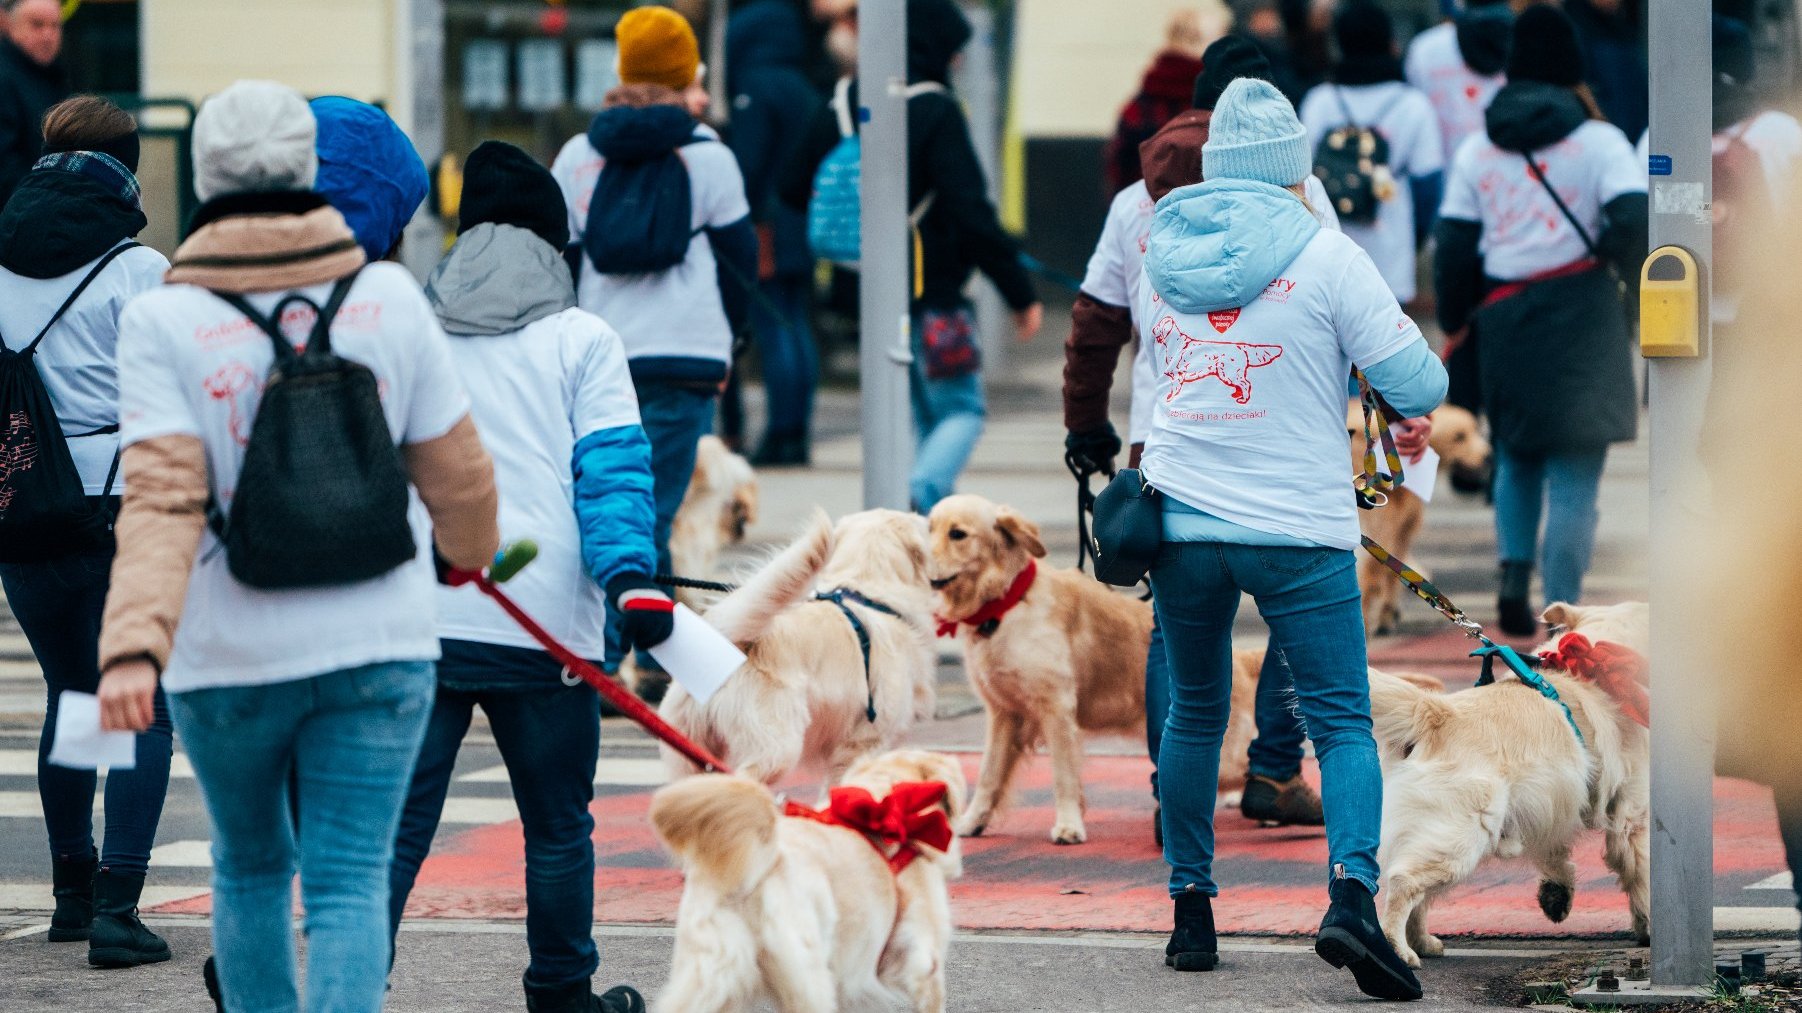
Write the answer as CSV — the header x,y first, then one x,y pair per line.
x,y
1192,359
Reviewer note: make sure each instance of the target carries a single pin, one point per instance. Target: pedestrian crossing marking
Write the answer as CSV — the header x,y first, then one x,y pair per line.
x,y
20,803
36,896
1781,881
182,855
617,771
25,762
479,810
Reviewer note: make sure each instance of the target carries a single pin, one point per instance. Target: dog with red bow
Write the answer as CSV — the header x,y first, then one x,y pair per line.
x,y
1519,768
814,910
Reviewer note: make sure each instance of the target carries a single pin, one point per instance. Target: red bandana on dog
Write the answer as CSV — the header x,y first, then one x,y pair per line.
x,y
910,814
1619,671
990,614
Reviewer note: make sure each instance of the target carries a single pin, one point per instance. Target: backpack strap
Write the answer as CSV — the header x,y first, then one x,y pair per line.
x,y
105,259
1345,107
319,338
841,107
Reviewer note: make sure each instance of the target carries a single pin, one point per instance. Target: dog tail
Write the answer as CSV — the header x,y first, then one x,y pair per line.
x,y
721,828
1403,713
744,614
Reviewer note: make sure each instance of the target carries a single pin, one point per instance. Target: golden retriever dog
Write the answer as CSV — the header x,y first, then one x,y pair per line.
x,y
1497,771
1459,441
1068,659
804,915
720,505
804,697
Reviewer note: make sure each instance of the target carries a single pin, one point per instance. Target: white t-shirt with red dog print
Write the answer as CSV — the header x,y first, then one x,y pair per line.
x,y
1249,419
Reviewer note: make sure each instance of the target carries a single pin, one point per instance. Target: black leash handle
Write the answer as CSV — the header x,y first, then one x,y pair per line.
x,y
1085,506
692,583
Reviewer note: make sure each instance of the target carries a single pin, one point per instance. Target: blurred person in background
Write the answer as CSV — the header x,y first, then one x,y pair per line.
x,y
1612,36
1458,66
31,81
369,171
1536,257
1367,91
59,231
1166,89
959,232
773,103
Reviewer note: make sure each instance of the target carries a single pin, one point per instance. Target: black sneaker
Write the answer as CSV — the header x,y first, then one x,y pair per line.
x,y
1284,803
1193,945
1350,937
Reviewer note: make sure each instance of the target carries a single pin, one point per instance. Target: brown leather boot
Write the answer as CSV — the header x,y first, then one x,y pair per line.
x,y
1278,803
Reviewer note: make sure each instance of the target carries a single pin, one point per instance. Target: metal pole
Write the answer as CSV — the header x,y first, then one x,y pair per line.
x,y
1683,726
887,253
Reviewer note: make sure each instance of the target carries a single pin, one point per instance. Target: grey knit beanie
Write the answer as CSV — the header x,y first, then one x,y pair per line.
x,y
254,136
1254,135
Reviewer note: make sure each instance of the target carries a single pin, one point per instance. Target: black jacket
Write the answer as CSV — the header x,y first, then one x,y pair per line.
x,y
27,90
960,232
773,105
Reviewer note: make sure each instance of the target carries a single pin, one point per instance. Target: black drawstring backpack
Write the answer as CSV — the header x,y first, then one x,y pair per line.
x,y
45,513
322,492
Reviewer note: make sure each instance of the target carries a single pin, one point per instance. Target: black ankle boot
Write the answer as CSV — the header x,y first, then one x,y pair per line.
x,y
72,884
1514,603
209,973
119,939
1193,946
1351,937
578,997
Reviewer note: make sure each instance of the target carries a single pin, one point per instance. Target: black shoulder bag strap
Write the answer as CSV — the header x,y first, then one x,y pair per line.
x,y
1620,284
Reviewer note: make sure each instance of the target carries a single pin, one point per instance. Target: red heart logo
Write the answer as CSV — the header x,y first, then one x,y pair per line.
x,y
1222,319
1470,92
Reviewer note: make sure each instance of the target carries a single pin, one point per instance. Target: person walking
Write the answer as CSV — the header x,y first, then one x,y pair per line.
x,y
1248,456
301,708
958,232
1540,239
1367,91
1166,89
773,103
1458,66
31,81
1103,322
68,266
675,290
553,400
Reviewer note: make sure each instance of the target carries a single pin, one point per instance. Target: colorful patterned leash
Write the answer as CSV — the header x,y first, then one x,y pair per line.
x,y
1375,485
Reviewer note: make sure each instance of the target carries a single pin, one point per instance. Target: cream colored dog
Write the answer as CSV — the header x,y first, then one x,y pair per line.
x,y
804,915
803,697
1497,771
1458,440
720,505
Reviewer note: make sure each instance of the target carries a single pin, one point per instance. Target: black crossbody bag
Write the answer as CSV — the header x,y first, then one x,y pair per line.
x,y
1129,527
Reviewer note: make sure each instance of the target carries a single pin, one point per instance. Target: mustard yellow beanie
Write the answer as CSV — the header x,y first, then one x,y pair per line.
x,y
657,46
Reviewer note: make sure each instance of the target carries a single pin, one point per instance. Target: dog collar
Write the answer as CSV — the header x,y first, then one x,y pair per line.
x,y
987,619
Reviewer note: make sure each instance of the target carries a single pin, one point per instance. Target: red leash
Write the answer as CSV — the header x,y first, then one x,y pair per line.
x,y
621,698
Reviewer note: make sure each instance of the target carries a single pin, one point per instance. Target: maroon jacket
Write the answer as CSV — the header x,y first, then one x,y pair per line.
x,y
1172,158
1168,89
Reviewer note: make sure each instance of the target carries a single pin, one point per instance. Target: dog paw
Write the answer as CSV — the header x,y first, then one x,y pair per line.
x,y
1068,833
972,828
1429,947
1554,900
1405,953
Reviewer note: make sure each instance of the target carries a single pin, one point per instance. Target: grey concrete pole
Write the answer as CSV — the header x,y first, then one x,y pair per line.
x,y
1683,726
887,253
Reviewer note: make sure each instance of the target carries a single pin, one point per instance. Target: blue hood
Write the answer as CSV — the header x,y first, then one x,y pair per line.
x,y
368,170
640,133
769,33
1217,245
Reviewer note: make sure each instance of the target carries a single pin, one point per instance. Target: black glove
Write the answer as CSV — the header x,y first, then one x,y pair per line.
x,y
1093,449
649,613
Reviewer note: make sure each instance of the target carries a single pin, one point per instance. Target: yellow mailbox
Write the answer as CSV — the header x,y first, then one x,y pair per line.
x,y
1670,305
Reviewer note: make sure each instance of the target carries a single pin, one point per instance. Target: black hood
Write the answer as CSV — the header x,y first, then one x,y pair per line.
x,y
57,221
1529,115
936,32
1483,38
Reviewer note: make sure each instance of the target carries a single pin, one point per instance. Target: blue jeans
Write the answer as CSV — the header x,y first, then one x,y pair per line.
x,y
550,739
1275,753
948,420
346,741
675,417
1523,485
1309,598
58,604
791,363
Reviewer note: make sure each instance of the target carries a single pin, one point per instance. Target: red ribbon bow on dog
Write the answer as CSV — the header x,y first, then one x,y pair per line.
x,y
1618,671
911,815
993,611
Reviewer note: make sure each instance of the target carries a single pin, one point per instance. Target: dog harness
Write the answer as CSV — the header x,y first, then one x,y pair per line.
x,y
1616,670
1525,672
911,815
839,597
987,619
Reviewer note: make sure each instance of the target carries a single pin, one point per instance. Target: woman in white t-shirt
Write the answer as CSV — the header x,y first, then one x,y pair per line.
x,y
1458,66
301,709
68,227
1367,90
1544,218
1258,315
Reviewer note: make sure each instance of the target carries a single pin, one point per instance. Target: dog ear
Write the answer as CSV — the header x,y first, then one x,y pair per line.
x,y
1017,530
1560,615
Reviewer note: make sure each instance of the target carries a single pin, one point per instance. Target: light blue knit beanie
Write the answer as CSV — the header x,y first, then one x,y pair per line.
x,y
1254,135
